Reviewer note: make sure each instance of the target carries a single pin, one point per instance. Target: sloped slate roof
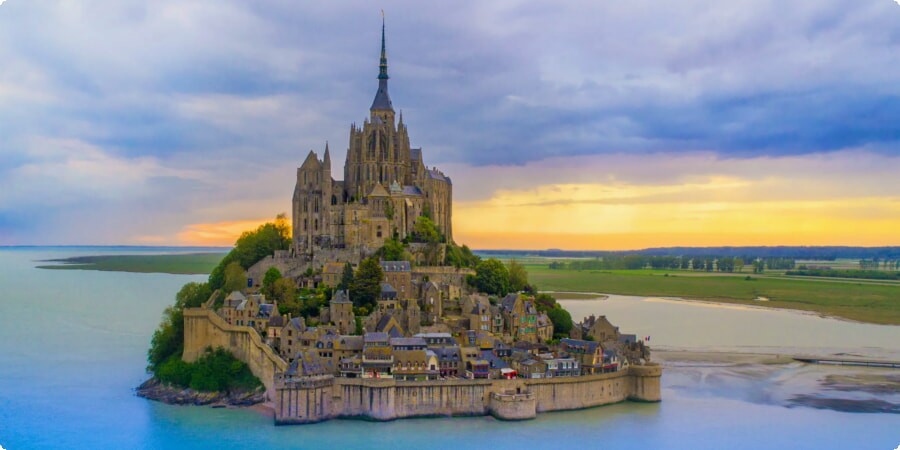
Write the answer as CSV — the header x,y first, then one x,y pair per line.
x,y
376,337
276,321
378,191
412,190
382,98
589,346
395,266
509,302
407,342
386,288
265,310
297,323
341,297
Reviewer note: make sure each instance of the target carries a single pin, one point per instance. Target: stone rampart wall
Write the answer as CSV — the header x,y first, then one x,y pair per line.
x,y
388,399
204,328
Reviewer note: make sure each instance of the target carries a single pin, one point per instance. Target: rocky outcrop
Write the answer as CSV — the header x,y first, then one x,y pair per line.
x,y
153,389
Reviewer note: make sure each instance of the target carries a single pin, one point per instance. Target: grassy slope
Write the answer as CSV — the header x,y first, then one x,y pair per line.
x,y
187,263
851,300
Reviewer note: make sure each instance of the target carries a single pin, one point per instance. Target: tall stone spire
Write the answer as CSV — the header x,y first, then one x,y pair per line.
x,y
382,67
382,99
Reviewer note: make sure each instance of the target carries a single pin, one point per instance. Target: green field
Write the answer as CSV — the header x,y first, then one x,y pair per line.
x,y
866,302
182,263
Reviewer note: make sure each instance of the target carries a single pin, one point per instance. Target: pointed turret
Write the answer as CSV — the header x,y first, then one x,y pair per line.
x,y
382,99
326,160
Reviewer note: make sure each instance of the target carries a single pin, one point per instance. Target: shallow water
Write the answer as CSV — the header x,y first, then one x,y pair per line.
x,y
73,343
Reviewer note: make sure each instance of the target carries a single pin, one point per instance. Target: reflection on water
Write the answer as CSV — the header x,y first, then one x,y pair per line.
x,y
73,343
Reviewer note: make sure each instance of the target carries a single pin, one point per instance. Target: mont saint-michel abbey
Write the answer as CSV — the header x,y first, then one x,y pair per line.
x,y
386,188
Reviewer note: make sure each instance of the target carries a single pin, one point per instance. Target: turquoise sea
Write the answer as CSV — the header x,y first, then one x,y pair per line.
x,y
73,343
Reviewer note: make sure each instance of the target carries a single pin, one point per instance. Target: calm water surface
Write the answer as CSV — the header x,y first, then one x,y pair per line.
x,y
73,343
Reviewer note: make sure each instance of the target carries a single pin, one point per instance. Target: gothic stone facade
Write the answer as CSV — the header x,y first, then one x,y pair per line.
x,y
386,188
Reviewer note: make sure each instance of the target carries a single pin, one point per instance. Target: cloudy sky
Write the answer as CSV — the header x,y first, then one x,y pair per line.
x,y
582,125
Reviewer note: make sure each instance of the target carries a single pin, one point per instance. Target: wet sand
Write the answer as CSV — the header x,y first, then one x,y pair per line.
x,y
779,379
720,357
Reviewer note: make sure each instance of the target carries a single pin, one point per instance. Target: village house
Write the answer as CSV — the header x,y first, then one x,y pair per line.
x,y
588,353
600,329
520,316
377,357
398,274
449,361
562,366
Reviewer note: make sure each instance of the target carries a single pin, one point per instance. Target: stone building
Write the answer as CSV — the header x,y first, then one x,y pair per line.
x,y
341,313
332,273
386,188
398,274
521,319
599,329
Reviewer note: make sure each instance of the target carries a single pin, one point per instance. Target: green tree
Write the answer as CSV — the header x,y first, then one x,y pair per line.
x,y
235,280
346,278
192,295
284,290
393,250
168,339
253,246
518,277
366,286
425,231
491,277
358,331
214,371
545,302
272,275
458,257
562,322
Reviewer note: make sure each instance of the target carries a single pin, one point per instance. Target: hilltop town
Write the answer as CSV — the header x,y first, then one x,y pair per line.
x,y
373,310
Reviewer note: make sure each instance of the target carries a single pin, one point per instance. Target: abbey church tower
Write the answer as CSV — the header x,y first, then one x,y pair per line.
x,y
386,187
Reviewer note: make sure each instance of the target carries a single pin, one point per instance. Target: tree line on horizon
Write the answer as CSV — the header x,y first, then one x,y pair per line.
x,y
706,264
819,253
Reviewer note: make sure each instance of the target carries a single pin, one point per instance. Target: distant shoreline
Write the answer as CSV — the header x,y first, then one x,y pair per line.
x,y
199,263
